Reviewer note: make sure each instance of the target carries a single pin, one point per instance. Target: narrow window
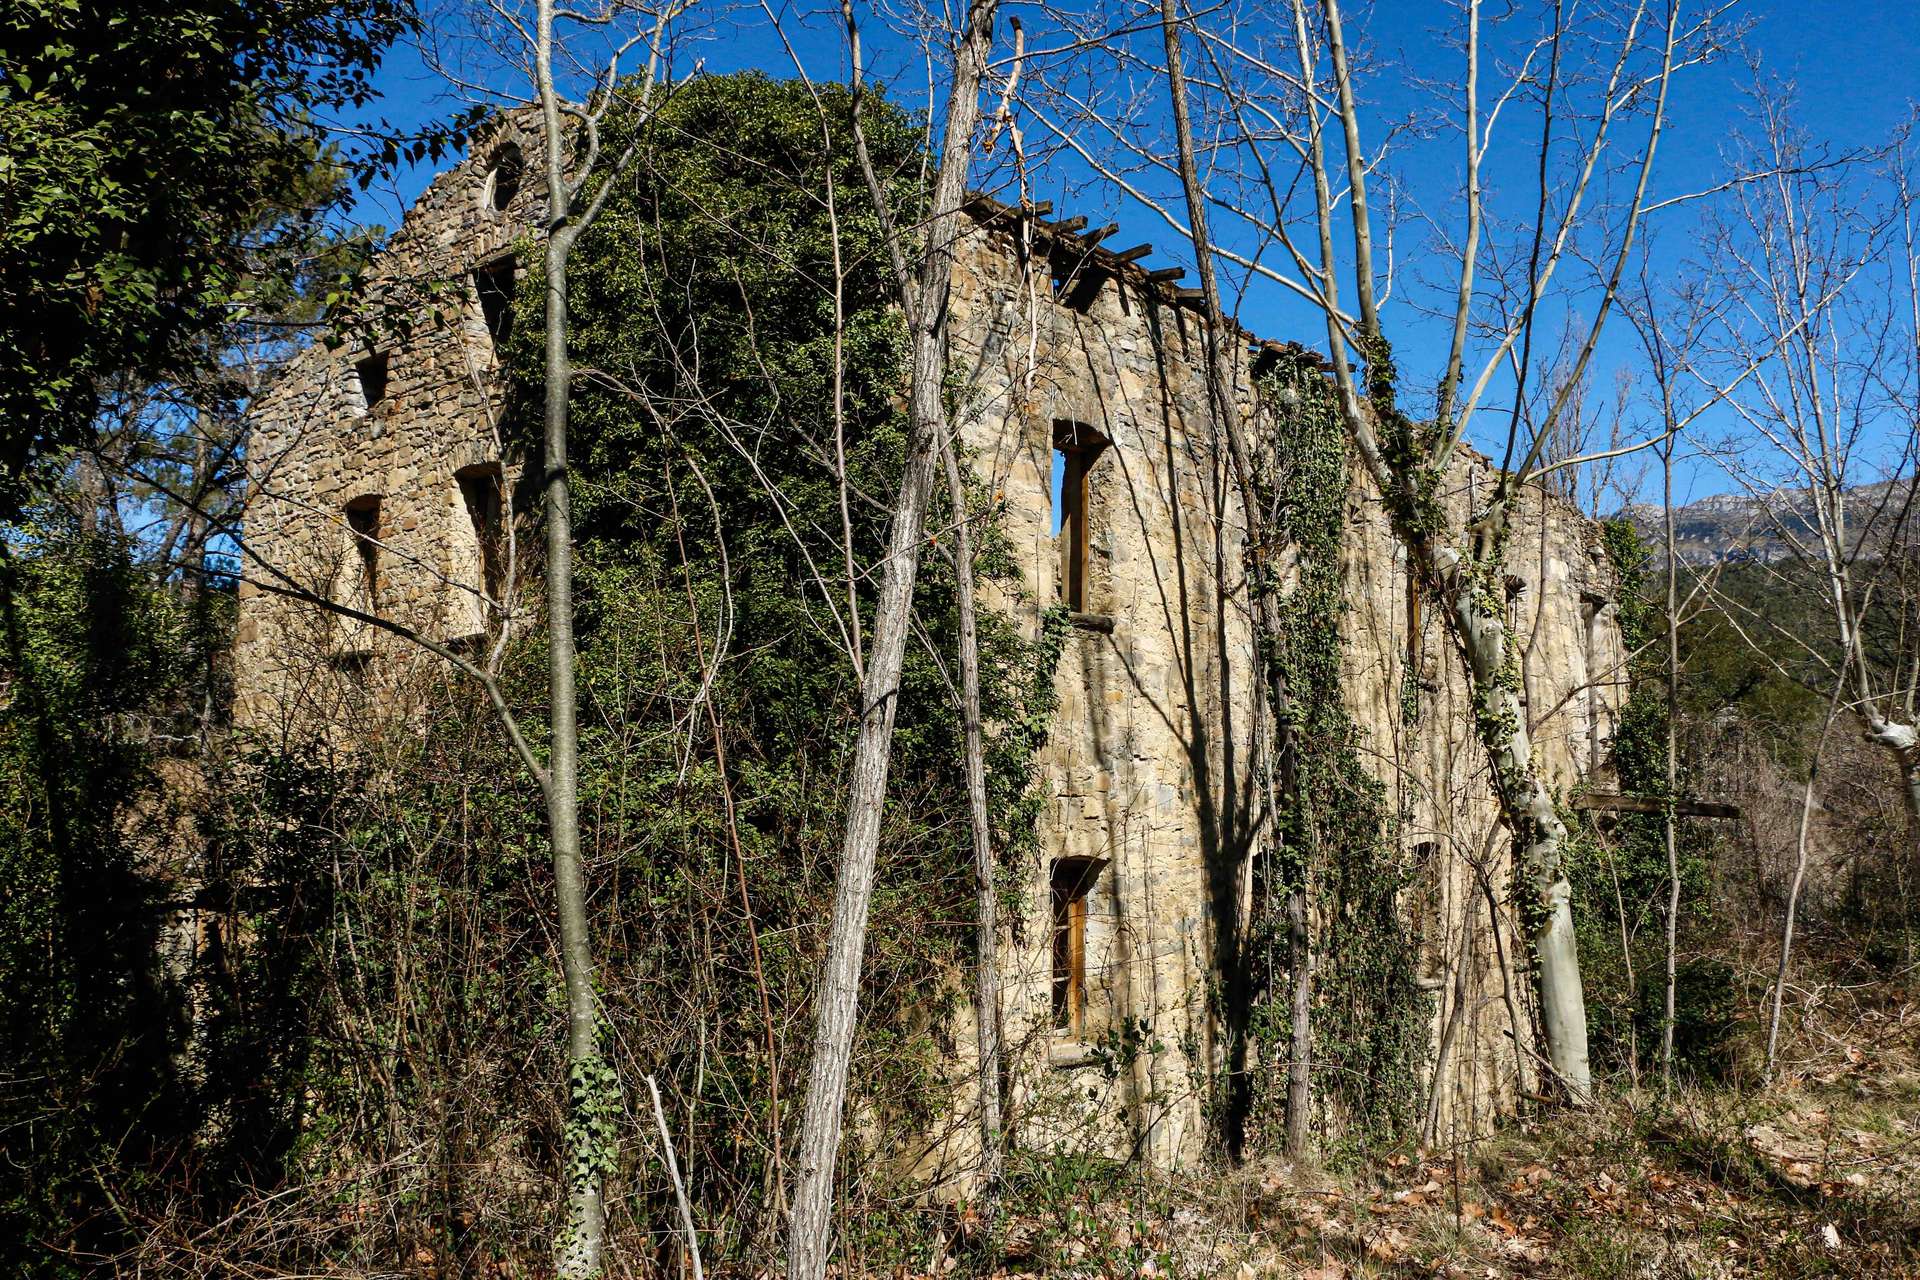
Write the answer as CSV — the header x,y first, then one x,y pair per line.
x,y
363,520
1593,610
1072,880
1429,929
495,284
503,177
1077,279
1076,447
372,371
1413,619
480,494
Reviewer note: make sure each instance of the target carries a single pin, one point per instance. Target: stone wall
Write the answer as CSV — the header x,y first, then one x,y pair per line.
x,y
1154,760
319,449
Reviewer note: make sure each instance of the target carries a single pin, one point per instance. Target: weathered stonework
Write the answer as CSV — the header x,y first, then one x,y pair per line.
x,y
1154,759
318,447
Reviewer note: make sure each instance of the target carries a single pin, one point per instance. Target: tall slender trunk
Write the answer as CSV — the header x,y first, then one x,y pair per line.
x,y
1801,854
1222,371
986,903
1669,819
838,996
587,1153
1540,836
1477,625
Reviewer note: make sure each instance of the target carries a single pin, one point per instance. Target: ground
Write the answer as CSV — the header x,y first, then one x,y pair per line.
x,y
1818,1175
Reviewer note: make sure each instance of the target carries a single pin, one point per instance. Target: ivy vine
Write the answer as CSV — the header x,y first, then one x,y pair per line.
x,y
1335,834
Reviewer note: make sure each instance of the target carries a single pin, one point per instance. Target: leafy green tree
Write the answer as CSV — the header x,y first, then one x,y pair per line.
x,y
88,1025
141,150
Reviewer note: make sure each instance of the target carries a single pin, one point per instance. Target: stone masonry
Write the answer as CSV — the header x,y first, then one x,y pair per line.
x,y
1153,762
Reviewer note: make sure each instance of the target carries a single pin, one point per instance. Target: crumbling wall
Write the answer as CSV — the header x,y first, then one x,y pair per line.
x,y
317,447
1408,690
1154,760
1151,757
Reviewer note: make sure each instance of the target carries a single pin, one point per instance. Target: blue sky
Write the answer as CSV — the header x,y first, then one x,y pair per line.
x,y
1856,69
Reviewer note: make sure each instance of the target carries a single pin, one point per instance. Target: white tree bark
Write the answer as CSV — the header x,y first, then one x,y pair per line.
x,y
837,999
1669,819
1539,834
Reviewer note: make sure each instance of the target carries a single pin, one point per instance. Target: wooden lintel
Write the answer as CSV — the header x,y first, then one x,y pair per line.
x,y
1190,295
1101,622
1067,226
1134,254
1612,802
1166,273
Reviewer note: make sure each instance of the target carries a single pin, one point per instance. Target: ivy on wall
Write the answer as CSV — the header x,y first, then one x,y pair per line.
x,y
1336,835
1618,863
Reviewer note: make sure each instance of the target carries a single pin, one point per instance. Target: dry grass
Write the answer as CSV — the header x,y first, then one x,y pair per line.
x,y
1817,1176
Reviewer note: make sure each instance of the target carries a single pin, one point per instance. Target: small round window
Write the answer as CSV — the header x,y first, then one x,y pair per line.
x,y
503,177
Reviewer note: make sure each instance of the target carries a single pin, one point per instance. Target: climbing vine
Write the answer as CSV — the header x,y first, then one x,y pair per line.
x,y
591,1137
1620,866
1015,799
1334,833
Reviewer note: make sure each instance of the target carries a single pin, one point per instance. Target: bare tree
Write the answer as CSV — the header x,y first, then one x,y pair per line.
x,y
1820,257
1460,561
986,900
579,179
1223,366
1595,88
924,302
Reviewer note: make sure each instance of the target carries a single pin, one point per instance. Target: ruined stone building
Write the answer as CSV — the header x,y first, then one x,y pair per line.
x,y
378,476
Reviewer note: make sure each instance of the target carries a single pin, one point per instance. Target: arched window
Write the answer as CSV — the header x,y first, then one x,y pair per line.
x,y
363,531
476,545
371,372
356,579
494,283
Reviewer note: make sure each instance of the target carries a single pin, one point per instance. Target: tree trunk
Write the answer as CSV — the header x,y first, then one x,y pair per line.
x,y
1669,819
1540,836
986,904
1799,877
1222,377
587,1151
1300,978
838,996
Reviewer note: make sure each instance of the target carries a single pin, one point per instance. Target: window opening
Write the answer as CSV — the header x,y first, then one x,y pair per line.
x,y
480,494
1429,929
503,177
372,370
1076,279
1072,881
363,520
494,282
1076,447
